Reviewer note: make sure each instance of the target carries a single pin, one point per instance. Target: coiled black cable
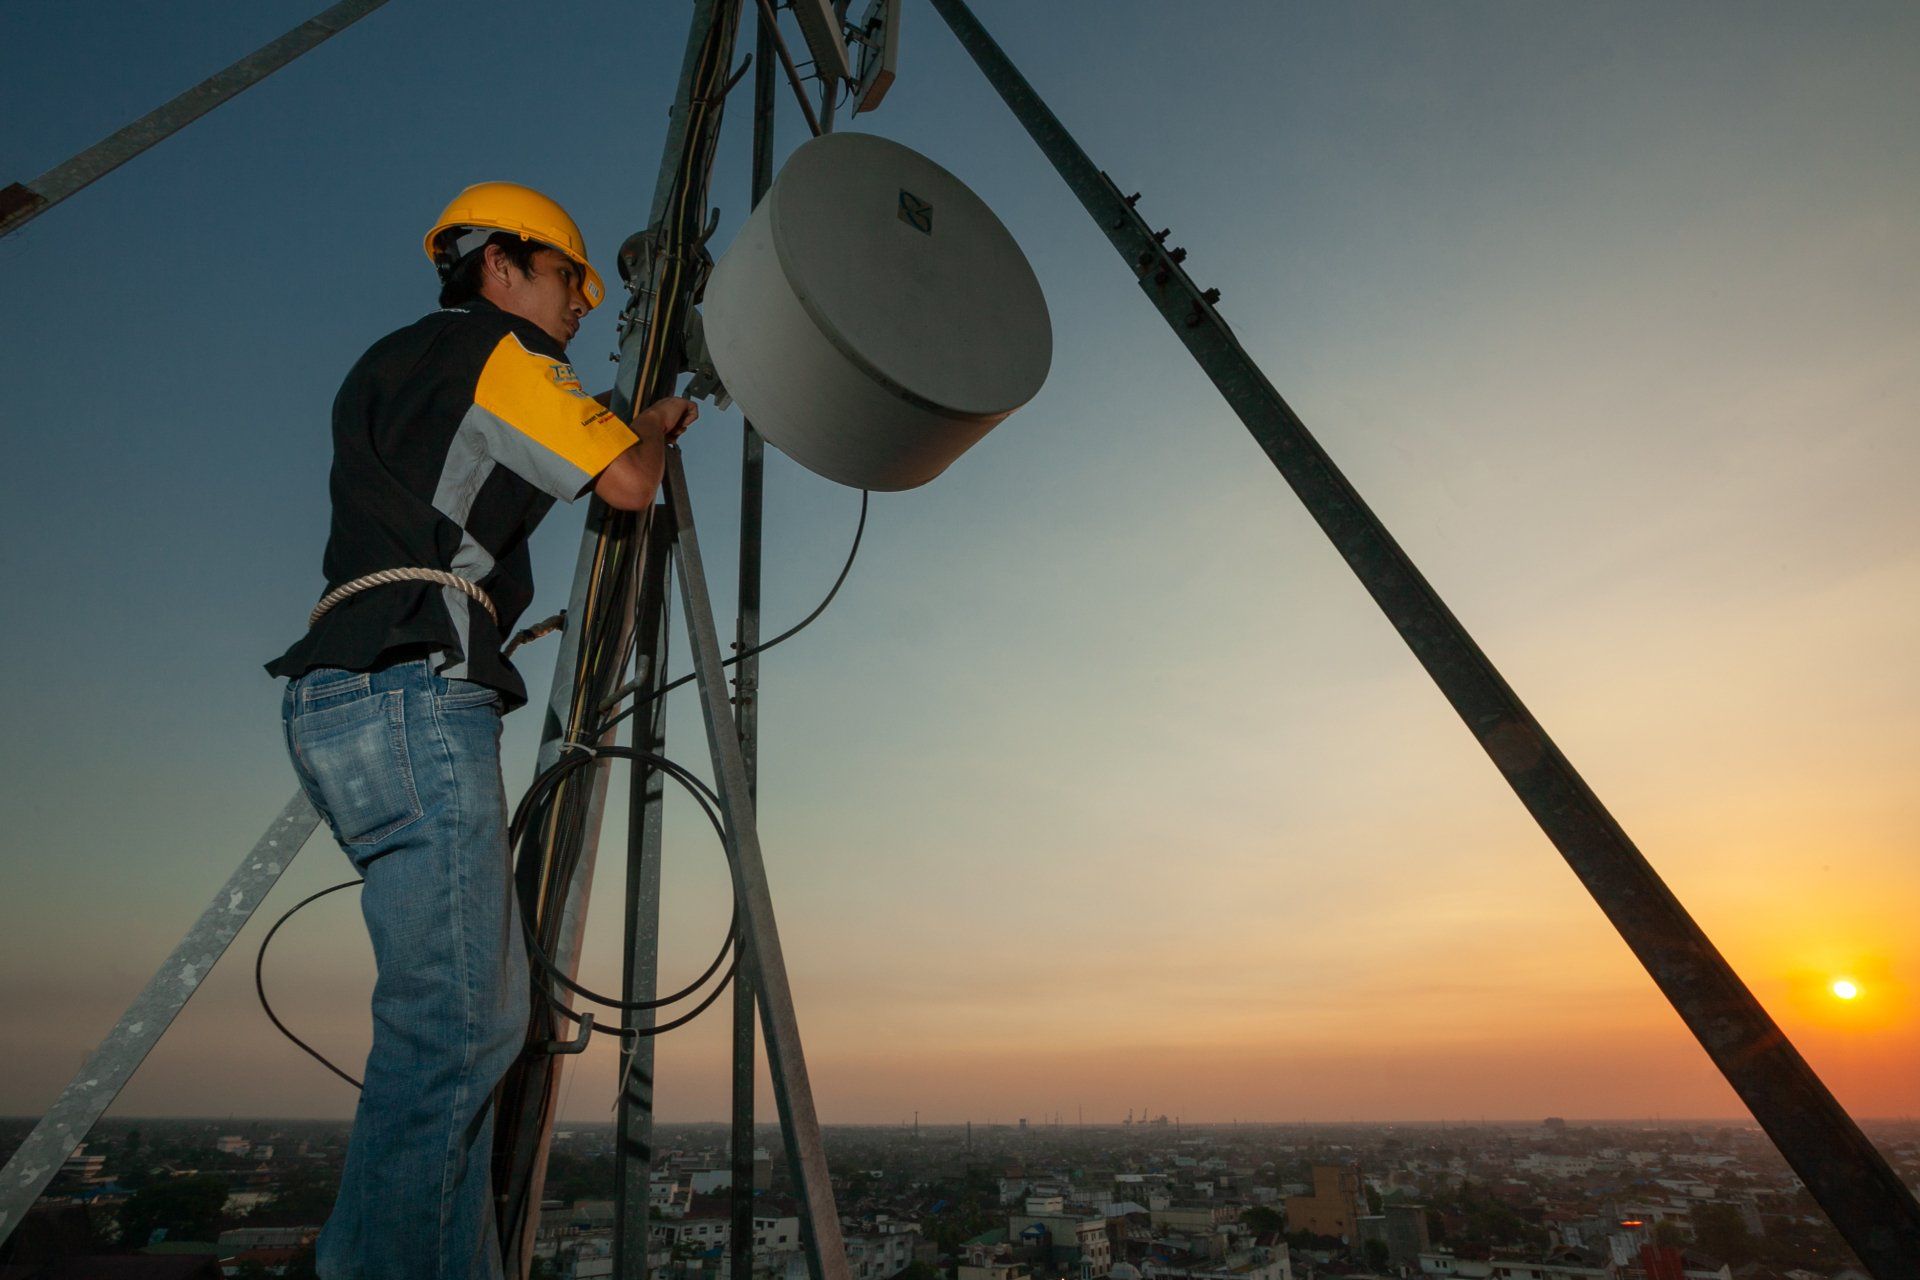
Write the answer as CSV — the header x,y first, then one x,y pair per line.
x,y
526,820
532,806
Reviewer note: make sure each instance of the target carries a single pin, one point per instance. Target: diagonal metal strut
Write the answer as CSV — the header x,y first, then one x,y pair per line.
x,y
21,203
826,1251
109,1067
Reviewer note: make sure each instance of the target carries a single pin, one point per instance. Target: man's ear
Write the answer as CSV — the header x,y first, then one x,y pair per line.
x,y
496,266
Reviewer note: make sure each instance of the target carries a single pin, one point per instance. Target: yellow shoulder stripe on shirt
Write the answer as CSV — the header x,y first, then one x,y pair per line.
x,y
541,398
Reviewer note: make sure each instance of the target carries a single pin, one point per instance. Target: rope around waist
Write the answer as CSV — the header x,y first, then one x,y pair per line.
x,y
384,576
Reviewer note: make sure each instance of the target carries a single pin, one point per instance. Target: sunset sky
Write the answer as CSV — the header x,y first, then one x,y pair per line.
x,y
1103,785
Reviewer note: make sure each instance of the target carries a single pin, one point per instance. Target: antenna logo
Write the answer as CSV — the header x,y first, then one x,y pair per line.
x,y
915,212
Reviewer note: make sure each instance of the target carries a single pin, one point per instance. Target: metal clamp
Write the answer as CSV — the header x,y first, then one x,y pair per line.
x,y
705,383
576,1045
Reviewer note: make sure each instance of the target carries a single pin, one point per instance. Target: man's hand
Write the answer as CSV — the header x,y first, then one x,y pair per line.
x,y
631,480
669,415
676,414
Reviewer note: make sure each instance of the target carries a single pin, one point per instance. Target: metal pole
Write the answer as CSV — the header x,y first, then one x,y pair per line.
x,y
792,1092
830,87
530,1092
109,1067
1843,1171
746,701
769,24
21,203
598,613
645,813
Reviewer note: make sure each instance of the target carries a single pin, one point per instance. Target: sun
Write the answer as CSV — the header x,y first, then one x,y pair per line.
x,y
1844,988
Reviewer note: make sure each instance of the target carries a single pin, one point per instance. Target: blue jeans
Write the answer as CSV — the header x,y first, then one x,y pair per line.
x,y
405,767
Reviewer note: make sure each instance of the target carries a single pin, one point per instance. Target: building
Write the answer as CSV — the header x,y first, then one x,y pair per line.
x,y
880,1257
720,1177
697,1233
776,1244
275,1262
240,1239
996,1271
81,1169
773,1234
1067,1239
1567,1264
1275,1263
246,1201
1194,1219
1335,1207
668,1197
1407,1236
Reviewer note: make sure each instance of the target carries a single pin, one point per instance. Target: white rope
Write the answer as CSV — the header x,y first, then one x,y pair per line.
x,y
385,576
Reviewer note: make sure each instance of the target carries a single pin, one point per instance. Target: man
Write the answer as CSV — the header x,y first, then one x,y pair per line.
x,y
452,439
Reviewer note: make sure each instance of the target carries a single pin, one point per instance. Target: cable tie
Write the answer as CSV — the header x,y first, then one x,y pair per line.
x,y
630,1049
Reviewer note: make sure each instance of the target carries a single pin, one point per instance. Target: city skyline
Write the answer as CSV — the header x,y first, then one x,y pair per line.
x,y
1102,778
1552,1199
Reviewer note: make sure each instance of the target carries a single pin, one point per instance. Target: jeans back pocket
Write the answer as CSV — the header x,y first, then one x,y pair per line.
x,y
356,755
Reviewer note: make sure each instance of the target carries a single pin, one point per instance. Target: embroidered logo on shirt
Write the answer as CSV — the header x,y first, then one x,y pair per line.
x,y
563,377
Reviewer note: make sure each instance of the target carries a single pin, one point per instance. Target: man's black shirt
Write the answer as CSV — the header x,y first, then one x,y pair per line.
x,y
452,438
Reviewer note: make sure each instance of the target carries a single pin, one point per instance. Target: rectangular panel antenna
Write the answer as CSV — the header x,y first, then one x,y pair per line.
x,y
820,24
879,39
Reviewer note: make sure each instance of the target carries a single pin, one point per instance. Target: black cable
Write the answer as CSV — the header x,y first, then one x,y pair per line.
x,y
525,821
260,985
792,631
522,824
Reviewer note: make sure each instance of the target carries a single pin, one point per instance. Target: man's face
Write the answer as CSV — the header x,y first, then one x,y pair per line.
x,y
549,294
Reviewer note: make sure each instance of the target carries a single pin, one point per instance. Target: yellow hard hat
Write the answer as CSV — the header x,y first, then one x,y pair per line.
x,y
508,206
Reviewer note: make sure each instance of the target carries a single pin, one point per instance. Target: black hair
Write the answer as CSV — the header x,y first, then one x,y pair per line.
x,y
460,284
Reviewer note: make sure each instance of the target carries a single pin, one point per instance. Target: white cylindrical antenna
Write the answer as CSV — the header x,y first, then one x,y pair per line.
x,y
873,318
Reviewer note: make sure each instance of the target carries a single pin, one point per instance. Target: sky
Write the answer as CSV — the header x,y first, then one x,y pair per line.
x,y
1103,786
